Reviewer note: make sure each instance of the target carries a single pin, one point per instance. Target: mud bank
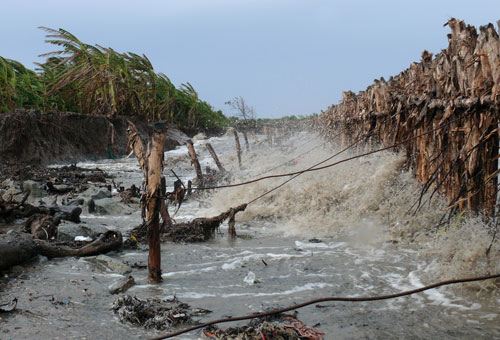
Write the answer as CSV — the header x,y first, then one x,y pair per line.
x,y
29,136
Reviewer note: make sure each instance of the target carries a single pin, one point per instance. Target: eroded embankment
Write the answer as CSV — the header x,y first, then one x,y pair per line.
x,y
32,137
444,111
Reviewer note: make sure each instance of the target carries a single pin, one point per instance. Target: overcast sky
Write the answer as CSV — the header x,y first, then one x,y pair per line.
x,y
283,56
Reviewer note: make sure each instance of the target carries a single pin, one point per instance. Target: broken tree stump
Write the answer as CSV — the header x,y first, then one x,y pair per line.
x,y
152,167
215,158
195,162
238,146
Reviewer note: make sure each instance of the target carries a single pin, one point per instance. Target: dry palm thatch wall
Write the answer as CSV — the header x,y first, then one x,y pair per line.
x,y
444,112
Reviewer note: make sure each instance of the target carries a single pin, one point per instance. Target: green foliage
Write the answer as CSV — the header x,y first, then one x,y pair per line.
x,y
95,80
19,87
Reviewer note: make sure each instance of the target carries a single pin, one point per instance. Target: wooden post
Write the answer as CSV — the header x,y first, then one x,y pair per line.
x,y
216,159
151,167
246,140
238,146
194,161
153,200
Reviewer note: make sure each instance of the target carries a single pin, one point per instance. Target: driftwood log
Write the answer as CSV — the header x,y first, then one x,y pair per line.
x,y
110,240
444,111
18,248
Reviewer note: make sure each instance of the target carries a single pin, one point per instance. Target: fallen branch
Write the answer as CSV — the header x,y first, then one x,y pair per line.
x,y
18,248
198,230
110,240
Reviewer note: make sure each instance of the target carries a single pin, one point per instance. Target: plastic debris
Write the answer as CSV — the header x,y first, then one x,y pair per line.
x,y
83,238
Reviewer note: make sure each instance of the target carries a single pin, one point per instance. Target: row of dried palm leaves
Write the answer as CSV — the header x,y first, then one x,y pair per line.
x,y
443,111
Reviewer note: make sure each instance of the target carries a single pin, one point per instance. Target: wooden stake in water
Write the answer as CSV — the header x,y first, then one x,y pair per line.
x,y
238,146
214,156
153,200
194,161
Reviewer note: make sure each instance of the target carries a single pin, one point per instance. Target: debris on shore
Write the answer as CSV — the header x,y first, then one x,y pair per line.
x,y
155,313
287,327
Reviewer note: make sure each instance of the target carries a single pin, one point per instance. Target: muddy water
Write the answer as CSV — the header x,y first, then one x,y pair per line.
x,y
341,232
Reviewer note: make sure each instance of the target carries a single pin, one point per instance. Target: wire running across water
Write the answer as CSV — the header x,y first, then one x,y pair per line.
x,y
316,168
329,299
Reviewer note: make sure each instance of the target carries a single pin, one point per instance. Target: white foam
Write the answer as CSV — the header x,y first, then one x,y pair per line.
x,y
188,272
236,262
294,290
300,244
490,316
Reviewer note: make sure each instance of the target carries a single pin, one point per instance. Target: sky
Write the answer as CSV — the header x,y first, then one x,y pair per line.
x,y
284,57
